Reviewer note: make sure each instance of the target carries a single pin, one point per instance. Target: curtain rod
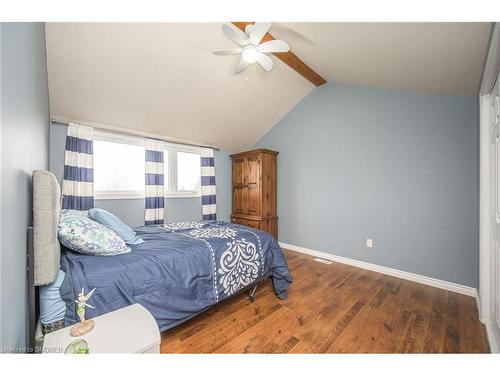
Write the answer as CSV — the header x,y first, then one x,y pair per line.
x,y
137,133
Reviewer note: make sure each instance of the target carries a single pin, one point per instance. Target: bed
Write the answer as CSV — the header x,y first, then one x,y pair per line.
x,y
180,270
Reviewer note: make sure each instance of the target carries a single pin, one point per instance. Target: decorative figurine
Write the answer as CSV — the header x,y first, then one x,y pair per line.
x,y
85,325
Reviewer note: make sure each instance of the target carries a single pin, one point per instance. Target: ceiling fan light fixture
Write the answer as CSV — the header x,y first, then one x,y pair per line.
x,y
250,46
250,54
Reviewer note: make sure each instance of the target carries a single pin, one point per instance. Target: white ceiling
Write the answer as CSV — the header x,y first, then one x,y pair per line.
x,y
163,78
441,58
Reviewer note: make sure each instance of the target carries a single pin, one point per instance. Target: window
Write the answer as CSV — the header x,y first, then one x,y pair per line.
x,y
188,171
183,170
119,168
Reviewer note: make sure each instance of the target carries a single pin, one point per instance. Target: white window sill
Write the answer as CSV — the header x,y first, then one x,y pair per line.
x,y
181,194
115,196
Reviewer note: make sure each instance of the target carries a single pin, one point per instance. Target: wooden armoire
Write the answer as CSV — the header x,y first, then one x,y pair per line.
x,y
254,190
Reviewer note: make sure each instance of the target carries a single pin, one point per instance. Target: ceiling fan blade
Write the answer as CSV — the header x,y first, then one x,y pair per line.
x,y
248,28
235,35
274,46
242,65
228,51
257,32
265,61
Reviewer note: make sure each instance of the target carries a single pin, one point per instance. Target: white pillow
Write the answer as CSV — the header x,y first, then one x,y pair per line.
x,y
84,235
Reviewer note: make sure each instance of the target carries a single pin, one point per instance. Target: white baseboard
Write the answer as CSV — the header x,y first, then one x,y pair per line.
x,y
478,305
493,337
462,289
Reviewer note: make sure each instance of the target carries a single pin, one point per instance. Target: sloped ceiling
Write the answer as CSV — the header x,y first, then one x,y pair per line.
x,y
164,79
441,58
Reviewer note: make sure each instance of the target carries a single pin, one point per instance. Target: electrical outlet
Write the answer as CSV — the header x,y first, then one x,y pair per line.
x,y
369,242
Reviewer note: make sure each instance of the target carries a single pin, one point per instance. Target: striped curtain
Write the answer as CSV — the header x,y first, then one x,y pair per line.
x,y
78,182
208,206
155,194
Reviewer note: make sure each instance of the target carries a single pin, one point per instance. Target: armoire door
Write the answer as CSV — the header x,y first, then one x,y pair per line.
x,y
239,189
252,182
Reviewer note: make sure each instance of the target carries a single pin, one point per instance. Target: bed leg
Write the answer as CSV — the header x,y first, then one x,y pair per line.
x,y
251,293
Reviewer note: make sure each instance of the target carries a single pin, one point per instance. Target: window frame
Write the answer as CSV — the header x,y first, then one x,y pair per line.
x,y
117,138
170,149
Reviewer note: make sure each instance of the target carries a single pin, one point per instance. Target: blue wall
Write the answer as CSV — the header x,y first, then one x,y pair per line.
x,y
400,168
24,147
131,211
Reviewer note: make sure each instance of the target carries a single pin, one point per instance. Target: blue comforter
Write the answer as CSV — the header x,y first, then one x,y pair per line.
x,y
180,270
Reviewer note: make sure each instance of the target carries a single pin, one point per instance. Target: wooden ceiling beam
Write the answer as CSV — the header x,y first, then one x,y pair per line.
x,y
290,59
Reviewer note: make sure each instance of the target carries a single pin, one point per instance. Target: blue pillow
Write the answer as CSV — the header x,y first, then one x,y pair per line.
x,y
112,222
52,306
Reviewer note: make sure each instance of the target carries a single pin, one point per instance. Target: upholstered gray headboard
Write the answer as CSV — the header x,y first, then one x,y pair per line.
x,y
46,210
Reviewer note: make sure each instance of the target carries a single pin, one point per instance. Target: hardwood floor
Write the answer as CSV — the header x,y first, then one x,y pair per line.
x,y
335,308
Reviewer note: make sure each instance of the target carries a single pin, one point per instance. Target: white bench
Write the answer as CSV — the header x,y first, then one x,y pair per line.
x,y
129,330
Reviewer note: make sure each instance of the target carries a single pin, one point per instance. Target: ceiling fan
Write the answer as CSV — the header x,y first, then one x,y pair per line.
x,y
250,48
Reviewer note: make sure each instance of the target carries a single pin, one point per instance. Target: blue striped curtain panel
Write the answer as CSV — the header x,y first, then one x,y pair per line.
x,y
78,182
155,193
208,201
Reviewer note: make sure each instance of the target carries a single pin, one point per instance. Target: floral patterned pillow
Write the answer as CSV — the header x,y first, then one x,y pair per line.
x,y
86,236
